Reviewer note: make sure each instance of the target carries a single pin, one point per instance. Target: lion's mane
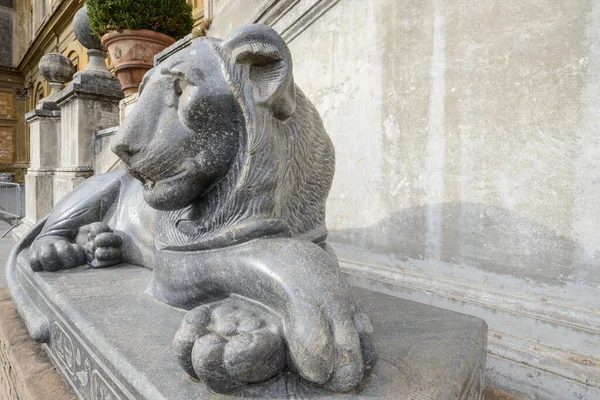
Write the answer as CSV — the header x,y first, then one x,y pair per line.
x,y
278,182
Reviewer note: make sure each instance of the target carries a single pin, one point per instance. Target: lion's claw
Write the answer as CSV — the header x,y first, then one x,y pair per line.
x,y
56,255
331,345
230,344
95,244
102,246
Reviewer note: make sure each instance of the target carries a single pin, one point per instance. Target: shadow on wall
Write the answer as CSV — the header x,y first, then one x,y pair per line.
x,y
491,239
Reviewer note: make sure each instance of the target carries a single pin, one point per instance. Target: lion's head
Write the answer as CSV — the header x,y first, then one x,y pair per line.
x,y
227,145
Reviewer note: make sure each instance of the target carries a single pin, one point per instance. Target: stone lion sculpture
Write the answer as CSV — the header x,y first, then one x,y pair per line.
x,y
228,167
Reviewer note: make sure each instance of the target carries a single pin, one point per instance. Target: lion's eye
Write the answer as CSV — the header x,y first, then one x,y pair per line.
x,y
178,87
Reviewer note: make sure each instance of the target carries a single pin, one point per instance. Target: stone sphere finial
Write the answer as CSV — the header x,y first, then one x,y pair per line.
x,y
57,69
97,55
83,33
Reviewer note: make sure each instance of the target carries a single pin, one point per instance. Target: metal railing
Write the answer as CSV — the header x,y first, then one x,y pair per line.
x,y
11,206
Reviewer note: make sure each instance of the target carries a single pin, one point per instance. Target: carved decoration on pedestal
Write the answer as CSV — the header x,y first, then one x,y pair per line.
x,y
79,367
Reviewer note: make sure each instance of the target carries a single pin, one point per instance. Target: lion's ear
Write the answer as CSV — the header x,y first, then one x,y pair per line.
x,y
270,62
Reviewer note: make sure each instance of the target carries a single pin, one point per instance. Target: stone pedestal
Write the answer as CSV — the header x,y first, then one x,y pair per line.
x,y
44,152
88,104
44,126
42,184
26,373
109,339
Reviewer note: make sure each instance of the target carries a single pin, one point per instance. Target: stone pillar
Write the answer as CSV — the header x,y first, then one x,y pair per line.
x,y
87,106
89,103
44,126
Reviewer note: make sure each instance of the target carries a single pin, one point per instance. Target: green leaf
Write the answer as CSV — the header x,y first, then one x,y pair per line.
x,y
171,17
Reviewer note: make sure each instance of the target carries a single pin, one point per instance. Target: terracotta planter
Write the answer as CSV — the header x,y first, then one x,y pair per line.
x,y
132,54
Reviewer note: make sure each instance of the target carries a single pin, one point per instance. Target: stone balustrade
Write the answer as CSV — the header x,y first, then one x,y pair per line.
x,y
65,126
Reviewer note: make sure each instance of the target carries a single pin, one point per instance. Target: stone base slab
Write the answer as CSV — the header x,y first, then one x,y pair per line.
x,y
26,373
111,340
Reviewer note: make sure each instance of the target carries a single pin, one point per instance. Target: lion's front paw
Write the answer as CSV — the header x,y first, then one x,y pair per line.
x,y
102,246
330,340
230,344
52,255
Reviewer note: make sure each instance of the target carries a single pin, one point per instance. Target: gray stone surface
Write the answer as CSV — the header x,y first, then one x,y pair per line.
x,y
107,336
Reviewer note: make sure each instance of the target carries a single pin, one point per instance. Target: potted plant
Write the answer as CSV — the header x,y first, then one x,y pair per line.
x,y
134,31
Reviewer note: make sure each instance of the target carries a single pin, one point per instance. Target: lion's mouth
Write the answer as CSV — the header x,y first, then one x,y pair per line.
x,y
149,183
146,180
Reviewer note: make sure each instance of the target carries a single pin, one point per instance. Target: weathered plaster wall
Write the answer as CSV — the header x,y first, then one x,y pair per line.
x,y
468,164
472,133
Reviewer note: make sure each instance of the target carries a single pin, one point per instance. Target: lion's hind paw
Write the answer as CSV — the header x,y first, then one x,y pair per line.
x,y
229,344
